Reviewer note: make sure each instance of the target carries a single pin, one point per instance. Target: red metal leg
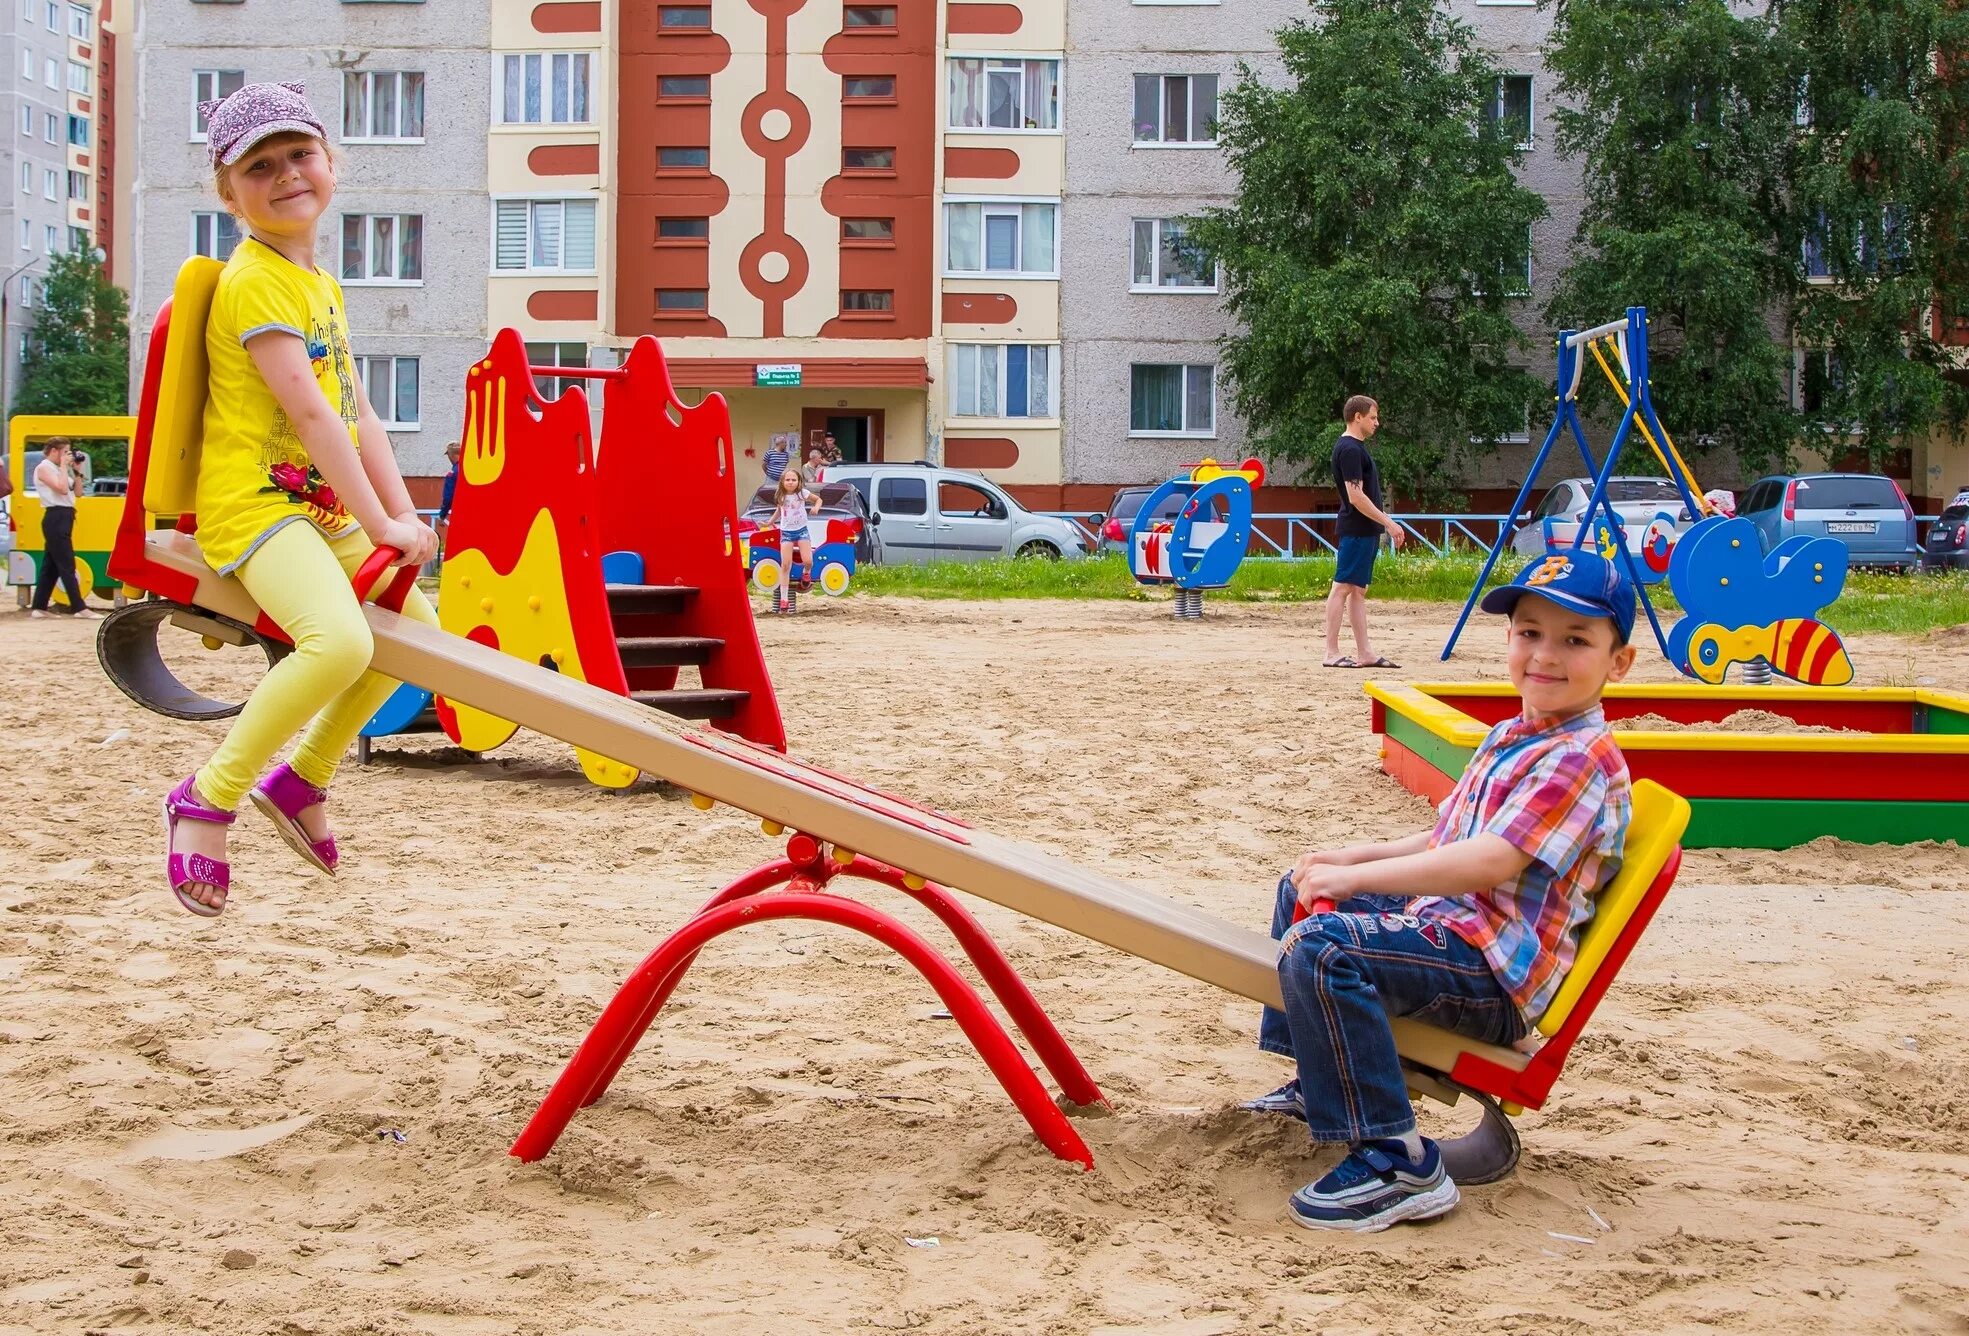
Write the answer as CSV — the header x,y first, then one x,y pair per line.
x,y
998,974
602,1046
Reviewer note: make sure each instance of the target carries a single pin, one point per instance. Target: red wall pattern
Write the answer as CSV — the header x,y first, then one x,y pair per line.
x,y
645,264
568,16
106,142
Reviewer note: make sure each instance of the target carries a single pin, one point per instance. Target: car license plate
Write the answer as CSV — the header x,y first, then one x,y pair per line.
x,y
1850,526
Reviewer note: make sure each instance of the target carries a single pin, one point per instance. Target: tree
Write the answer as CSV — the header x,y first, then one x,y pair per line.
x,y
1878,183
1371,241
1682,113
77,358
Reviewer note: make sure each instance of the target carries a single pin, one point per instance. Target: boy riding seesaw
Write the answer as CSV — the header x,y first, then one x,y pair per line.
x,y
1533,831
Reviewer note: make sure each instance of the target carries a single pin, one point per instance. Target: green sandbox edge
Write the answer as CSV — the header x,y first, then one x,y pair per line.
x,y
1761,823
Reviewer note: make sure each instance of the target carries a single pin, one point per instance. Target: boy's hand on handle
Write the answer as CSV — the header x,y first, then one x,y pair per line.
x,y
1315,877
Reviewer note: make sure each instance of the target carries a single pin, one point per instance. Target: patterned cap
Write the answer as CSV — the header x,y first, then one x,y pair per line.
x,y
235,124
1580,579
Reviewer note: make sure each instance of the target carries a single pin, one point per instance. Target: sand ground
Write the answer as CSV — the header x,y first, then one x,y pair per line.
x,y
1764,1129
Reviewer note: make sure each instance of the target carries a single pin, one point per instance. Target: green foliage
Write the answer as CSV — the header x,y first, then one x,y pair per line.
x,y
78,352
1879,183
1682,111
1369,242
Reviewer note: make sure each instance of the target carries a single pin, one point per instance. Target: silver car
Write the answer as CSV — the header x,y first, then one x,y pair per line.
x,y
1637,500
925,513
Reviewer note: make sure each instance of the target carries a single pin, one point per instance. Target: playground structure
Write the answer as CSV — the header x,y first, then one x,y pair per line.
x,y
1202,547
1756,611
557,553
833,563
95,516
836,827
1894,774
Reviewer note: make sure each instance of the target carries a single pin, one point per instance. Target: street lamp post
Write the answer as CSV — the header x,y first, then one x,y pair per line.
x,y
6,288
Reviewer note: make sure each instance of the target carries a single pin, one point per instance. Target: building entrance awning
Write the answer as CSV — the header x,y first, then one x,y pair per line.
x,y
832,373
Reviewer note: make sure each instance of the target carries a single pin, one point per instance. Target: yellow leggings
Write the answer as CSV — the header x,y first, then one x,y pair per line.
x,y
300,578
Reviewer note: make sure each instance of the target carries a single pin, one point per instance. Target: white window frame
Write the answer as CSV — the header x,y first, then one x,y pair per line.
x,y
80,23
51,238
1512,293
53,70
368,278
1162,103
369,78
51,127
82,196
78,78
1156,286
998,351
27,235
1530,141
27,121
216,218
589,61
1022,58
27,63
544,198
1000,205
363,363
1187,432
204,88
52,16
27,177
51,184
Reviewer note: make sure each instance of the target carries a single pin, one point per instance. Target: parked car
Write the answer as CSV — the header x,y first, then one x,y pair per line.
x,y
1948,538
1637,500
109,487
838,501
1868,513
1114,523
926,513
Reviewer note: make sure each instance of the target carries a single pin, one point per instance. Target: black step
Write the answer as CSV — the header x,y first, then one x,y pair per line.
x,y
699,704
666,651
630,600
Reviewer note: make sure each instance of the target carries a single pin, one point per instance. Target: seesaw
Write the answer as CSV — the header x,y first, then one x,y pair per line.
x,y
837,828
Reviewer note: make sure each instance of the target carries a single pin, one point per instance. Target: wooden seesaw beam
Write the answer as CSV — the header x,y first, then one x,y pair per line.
x,y
829,807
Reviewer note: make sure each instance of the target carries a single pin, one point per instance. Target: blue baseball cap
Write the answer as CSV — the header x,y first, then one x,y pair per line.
x,y
1579,579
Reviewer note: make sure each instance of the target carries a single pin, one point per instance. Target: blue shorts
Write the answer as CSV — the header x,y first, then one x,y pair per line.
x,y
1357,560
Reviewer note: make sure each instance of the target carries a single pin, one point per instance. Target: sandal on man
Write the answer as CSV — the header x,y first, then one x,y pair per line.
x,y
1382,661
283,796
1344,661
185,870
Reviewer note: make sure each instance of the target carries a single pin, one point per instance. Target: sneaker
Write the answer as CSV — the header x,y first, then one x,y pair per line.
x,y
1376,1186
37,612
86,615
1286,1100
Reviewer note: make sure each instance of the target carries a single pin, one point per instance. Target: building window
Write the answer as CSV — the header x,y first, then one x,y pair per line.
x,y
866,87
1166,400
27,121
1164,259
867,301
27,290
54,72
683,229
683,159
546,88
78,187
392,386
1510,109
78,130
993,238
78,239
51,183
51,128
1003,380
868,160
27,178
382,248
53,15
27,230
992,93
678,87
869,231
1176,109
868,16
214,234
1515,274
544,236
51,239
683,16
682,301
210,86
383,104
78,77
556,354
27,63
80,24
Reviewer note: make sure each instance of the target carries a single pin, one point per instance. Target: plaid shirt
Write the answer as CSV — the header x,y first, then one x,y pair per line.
x,y
1557,791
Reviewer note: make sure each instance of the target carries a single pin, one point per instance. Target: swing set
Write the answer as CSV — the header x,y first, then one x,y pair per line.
x,y
1619,343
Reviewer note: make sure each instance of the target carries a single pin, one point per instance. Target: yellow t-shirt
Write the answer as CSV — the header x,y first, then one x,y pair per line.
x,y
254,474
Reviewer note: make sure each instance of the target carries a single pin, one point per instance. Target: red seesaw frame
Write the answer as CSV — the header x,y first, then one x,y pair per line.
x,y
805,872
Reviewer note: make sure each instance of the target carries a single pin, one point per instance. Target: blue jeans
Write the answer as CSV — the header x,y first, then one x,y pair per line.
x,y
1344,975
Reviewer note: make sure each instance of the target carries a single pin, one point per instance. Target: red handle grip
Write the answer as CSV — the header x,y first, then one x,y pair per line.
x,y
1320,906
372,570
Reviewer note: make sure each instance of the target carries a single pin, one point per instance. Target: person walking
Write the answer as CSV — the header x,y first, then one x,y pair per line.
x,y
776,459
452,454
1362,522
55,482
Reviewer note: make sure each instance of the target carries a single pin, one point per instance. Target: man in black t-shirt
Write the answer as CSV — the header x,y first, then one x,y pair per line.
x,y
1362,522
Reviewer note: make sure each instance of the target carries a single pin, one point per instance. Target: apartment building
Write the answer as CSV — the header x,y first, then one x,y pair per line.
x,y
405,93
58,152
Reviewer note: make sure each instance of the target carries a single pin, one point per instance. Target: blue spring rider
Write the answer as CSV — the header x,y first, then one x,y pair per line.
x,y
1202,546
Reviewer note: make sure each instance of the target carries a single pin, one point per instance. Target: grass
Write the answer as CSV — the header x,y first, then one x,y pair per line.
x,y
1905,604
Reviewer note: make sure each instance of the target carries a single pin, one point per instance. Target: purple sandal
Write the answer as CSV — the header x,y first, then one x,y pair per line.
x,y
282,795
182,870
